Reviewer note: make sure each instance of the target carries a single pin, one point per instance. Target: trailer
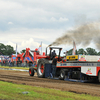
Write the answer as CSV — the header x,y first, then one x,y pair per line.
x,y
80,68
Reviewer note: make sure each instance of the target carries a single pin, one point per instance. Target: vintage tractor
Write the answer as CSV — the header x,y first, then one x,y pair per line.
x,y
40,62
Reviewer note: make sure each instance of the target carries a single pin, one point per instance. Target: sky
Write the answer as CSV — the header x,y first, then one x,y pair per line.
x,y
27,23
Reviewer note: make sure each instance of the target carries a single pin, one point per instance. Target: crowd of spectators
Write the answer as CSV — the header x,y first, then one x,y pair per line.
x,y
8,62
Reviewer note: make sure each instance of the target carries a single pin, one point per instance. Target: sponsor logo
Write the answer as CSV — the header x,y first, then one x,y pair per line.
x,y
89,71
99,60
82,58
63,64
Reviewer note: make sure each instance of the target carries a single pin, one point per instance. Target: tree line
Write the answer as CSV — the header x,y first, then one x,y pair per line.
x,y
88,51
6,49
9,50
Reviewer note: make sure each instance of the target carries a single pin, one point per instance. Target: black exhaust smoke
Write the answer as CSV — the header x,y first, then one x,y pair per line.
x,y
84,34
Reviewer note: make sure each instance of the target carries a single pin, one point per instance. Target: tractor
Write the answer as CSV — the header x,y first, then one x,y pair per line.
x,y
40,62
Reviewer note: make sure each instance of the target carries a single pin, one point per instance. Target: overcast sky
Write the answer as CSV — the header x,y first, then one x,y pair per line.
x,y
28,22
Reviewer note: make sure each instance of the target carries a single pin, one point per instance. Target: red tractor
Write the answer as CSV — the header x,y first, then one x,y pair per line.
x,y
19,59
40,62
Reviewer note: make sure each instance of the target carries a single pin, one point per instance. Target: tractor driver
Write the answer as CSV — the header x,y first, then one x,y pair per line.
x,y
54,62
53,54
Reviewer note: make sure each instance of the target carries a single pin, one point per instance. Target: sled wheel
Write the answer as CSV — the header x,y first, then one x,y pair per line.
x,y
62,74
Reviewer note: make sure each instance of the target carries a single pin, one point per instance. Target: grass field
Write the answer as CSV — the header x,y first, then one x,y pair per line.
x,y
25,68
10,91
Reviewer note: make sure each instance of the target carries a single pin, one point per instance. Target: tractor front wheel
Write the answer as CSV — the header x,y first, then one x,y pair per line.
x,y
31,71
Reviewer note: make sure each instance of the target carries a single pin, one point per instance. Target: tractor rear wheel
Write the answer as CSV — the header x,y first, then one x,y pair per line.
x,y
41,67
31,71
99,76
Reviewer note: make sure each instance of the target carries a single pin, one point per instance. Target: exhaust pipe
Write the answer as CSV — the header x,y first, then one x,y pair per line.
x,y
47,47
46,51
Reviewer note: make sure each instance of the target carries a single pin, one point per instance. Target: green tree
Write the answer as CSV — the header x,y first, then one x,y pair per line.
x,y
2,48
23,51
81,51
99,53
70,52
91,51
76,52
6,49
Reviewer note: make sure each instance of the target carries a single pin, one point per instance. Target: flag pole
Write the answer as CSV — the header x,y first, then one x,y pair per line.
x,y
41,47
16,55
73,48
16,49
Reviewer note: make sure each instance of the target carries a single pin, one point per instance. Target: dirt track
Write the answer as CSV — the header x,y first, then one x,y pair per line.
x,y
24,78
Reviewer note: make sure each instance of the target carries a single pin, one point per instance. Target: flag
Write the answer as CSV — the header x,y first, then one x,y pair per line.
x,y
16,50
40,46
74,48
